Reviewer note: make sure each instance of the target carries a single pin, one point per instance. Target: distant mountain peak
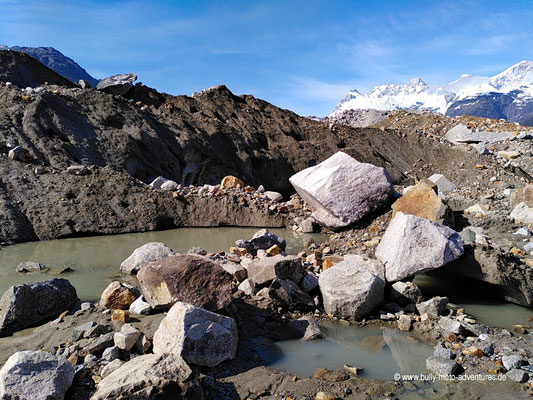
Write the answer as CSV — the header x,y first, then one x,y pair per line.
x,y
56,61
516,82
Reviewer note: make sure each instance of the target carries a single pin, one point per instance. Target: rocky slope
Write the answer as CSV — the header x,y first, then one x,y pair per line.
x,y
508,95
56,61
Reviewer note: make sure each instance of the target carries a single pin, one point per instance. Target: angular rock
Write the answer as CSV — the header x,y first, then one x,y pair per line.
x,y
84,84
118,296
443,184
111,353
201,337
307,327
19,153
231,182
441,366
309,282
404,293
150,376
140,307
404,323
30,266
412,245
308,225
442,352
153,251
433,307
518,375
279,266
188,278
247,286
101,343
117,84
349,290
274,196
522,214
451,326
343,190
35,375
461,134
261,240
422,201
513,361
24,305
287,294
127,337
235,269
164,184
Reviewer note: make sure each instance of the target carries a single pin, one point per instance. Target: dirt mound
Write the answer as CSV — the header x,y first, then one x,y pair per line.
x,y
23,70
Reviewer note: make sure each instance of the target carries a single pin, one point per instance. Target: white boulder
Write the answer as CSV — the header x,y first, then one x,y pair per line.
x,y
350,290
199,336
342,190
412,245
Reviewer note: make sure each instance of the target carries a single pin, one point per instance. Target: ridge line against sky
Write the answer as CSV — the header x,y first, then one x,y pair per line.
x,y
300,55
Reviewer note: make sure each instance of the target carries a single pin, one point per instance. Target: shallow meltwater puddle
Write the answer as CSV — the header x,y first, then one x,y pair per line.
x,y
477,301
95,260
380,352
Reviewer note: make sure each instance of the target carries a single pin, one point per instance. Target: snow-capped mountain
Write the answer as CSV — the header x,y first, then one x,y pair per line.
x,y
510,92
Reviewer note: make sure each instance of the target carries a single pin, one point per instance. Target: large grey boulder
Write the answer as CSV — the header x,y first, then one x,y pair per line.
x,y
149,252
35,375
261,240
117,84
199,336
413,245
350,290
342,190
24,305
462,134
150,376
278,266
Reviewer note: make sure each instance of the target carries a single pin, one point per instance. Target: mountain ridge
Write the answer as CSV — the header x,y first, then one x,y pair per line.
x,y
56,61
510,91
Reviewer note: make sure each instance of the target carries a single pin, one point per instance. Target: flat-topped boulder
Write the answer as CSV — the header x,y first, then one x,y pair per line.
x,y
199,336
150,376
188,278
117,84
413,245
24,305
279,266
342,190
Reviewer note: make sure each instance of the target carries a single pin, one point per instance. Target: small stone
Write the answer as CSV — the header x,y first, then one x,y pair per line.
x,y
120,315
404,323
127,337
441,366
433,307
354,371
518,375
442,352
473,351
450,325
140,307
273,250
248,287
512,361
324,396
111,353
240,251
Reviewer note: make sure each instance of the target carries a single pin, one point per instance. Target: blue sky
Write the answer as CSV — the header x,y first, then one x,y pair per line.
x,y
300,55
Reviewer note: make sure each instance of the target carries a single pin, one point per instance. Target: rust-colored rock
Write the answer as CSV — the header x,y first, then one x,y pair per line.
x,y
423,201
231,182
120,315
523,194
118,296
187,278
